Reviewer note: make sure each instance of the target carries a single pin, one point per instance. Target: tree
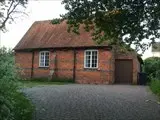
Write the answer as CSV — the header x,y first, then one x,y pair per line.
x,y
120,22
152,67
13,104
8,83
7,9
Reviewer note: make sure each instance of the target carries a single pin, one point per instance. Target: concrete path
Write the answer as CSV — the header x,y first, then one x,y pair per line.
x,y
94,102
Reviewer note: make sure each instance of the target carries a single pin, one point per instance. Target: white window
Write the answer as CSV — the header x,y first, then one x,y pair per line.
x,y
44,59
91,59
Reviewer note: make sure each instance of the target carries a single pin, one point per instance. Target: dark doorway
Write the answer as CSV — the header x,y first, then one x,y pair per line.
x,y
123,71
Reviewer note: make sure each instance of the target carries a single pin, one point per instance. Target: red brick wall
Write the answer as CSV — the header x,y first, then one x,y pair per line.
x,y
102,75
62,64
64,60
24,62
65,63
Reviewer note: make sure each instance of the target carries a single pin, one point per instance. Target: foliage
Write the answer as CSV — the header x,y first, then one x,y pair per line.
x,y
155,86
117,21
7,9
10,107
152,67
156,47
23,109
56,21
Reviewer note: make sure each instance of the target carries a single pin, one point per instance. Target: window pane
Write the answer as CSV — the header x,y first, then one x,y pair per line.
x,y
47,53
88,57
46,63
42,53
94,59
44,59
47,59
88,52
91,59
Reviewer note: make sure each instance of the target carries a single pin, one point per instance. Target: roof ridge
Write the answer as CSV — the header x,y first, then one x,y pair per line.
x,y
43,21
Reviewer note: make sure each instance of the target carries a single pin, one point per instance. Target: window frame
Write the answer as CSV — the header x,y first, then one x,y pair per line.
x,y
91,50
44,59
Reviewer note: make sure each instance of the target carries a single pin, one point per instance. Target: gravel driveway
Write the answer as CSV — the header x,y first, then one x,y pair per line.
x,y
94,102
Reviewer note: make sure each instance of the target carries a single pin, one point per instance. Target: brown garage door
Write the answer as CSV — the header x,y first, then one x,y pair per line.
x,y
123,71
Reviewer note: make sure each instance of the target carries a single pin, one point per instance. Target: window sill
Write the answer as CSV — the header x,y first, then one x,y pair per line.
x,y
91,69
43,67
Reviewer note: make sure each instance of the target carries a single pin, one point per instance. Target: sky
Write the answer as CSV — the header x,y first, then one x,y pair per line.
x,y
37,10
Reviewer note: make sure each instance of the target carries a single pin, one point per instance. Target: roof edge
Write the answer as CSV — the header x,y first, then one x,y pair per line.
x,y
67,48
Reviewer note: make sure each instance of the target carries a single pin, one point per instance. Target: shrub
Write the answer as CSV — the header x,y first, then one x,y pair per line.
x,y
155,86
22,107
152,68
9,97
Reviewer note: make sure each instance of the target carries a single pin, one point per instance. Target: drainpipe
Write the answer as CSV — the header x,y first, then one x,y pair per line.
x,y
32,65
74,65
55,65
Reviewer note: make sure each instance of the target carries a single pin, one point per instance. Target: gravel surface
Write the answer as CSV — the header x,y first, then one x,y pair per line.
x,y
94,102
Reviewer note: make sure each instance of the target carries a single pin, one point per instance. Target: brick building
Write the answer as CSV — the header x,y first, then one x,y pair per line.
x,y
48,50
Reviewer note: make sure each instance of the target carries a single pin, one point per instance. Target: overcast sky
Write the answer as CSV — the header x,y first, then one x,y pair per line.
x,y
36,10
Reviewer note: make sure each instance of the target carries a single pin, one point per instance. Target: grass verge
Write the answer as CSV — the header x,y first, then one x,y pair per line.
x,y
155,87
43,81
31,84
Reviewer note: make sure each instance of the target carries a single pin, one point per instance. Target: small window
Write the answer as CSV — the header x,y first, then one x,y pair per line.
x,y
44,59
91,59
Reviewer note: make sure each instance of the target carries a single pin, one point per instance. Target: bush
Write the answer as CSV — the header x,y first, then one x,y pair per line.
x,y
22,107
152,68
10,107
155,86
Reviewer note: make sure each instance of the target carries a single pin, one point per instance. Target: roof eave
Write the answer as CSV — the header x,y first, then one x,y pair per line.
x,y
68,48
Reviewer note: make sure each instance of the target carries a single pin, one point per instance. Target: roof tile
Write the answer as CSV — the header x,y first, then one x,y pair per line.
x,y
43,34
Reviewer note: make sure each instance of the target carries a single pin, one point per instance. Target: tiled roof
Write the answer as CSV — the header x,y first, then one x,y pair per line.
x,y
43,34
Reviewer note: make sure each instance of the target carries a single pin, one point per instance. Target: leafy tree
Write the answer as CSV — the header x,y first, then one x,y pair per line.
x,y
13,105
8,84
120,22
152,67
7,9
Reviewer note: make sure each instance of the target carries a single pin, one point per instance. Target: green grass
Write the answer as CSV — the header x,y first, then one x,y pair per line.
x,y
155,87
36,83
43,82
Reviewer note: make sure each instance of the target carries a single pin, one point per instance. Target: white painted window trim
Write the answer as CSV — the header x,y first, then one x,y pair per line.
x,y
91,50
44,58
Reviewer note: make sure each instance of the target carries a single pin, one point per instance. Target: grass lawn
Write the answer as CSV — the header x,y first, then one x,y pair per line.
x,y
29,83
155,87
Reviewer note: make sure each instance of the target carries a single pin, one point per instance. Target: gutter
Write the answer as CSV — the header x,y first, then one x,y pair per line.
x,y
65,48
